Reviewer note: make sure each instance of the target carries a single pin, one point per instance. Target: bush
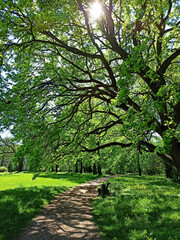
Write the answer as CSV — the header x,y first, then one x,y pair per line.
x,y
3,169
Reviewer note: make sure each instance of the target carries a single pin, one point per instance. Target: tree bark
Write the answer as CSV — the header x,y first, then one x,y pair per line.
x,y
99,170
20,165
81,168
139,166
175,153
57,168
76,167
138,160
94,169
169,171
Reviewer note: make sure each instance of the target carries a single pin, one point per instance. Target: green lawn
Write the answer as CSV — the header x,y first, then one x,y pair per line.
x,y
21,198
139,208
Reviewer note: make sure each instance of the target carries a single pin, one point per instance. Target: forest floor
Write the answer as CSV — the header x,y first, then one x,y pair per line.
x,y
69,216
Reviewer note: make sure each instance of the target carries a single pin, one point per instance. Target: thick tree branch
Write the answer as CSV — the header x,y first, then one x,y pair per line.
x,y
168,61
123,145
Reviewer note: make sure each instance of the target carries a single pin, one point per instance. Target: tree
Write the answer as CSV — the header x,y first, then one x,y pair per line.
x,y
69,80
8,149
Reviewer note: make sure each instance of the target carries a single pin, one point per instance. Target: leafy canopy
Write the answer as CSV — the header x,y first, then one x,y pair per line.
x,y
70,82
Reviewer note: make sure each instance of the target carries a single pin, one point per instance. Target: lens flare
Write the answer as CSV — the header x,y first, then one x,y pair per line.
x,y
95,10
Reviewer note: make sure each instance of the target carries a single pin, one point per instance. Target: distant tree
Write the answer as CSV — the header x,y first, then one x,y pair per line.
x,y
7,150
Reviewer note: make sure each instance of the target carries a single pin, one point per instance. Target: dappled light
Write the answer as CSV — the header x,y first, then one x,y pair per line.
x,y
139,208
67,217
22,198
20,205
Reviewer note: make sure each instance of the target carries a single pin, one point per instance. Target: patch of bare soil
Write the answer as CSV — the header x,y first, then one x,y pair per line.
x,y
69,216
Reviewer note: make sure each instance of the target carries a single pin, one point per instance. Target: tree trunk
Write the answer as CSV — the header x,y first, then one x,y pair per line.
x,y
169,171
99,167
76,167
175,153
138,162
99,170
57,168
94,169
89,169
20,165
139,168
81,169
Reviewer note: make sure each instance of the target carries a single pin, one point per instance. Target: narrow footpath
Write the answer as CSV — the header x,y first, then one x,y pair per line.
x,y
69,216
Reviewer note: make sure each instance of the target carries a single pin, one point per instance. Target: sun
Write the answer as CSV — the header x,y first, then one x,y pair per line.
x,y
95,10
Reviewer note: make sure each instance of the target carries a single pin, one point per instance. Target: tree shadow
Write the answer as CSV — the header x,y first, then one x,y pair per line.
x,y
73,177
145,208
158,181
18,207
67,217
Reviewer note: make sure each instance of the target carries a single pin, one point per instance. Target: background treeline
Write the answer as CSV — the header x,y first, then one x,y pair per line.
x,y
112,160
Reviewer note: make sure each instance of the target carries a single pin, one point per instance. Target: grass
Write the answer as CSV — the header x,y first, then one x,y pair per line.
x,y
21,198
139,208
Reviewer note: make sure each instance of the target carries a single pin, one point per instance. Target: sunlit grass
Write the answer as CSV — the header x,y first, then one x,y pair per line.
x,y
144,208
21,198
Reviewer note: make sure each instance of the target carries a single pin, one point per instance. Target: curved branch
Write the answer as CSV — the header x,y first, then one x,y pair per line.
x,y
123,145
100,130
167,158
168,61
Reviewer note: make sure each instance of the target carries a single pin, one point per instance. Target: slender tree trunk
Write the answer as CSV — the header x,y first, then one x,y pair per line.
x,y
99,167
94,169
139,167
2,161
81,168
138,162
99,170
76,167
20,165
57,168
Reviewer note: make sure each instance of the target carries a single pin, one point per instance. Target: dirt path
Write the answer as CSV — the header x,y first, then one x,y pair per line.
x,y
69,216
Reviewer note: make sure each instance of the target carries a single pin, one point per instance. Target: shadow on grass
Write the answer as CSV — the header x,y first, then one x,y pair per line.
x,y
157,181
139,208
73,177
19,206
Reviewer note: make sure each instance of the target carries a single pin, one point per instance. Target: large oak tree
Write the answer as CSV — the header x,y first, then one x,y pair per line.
x,y
70,79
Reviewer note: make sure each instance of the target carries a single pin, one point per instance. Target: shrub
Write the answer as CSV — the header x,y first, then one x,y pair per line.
x,y
3,169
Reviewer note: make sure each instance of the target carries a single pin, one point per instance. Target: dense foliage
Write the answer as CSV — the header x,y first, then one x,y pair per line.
x,y
126,161
11,154
7,150
73,83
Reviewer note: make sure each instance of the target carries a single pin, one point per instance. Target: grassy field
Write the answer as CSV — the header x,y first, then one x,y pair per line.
x,y
21,198
139,208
